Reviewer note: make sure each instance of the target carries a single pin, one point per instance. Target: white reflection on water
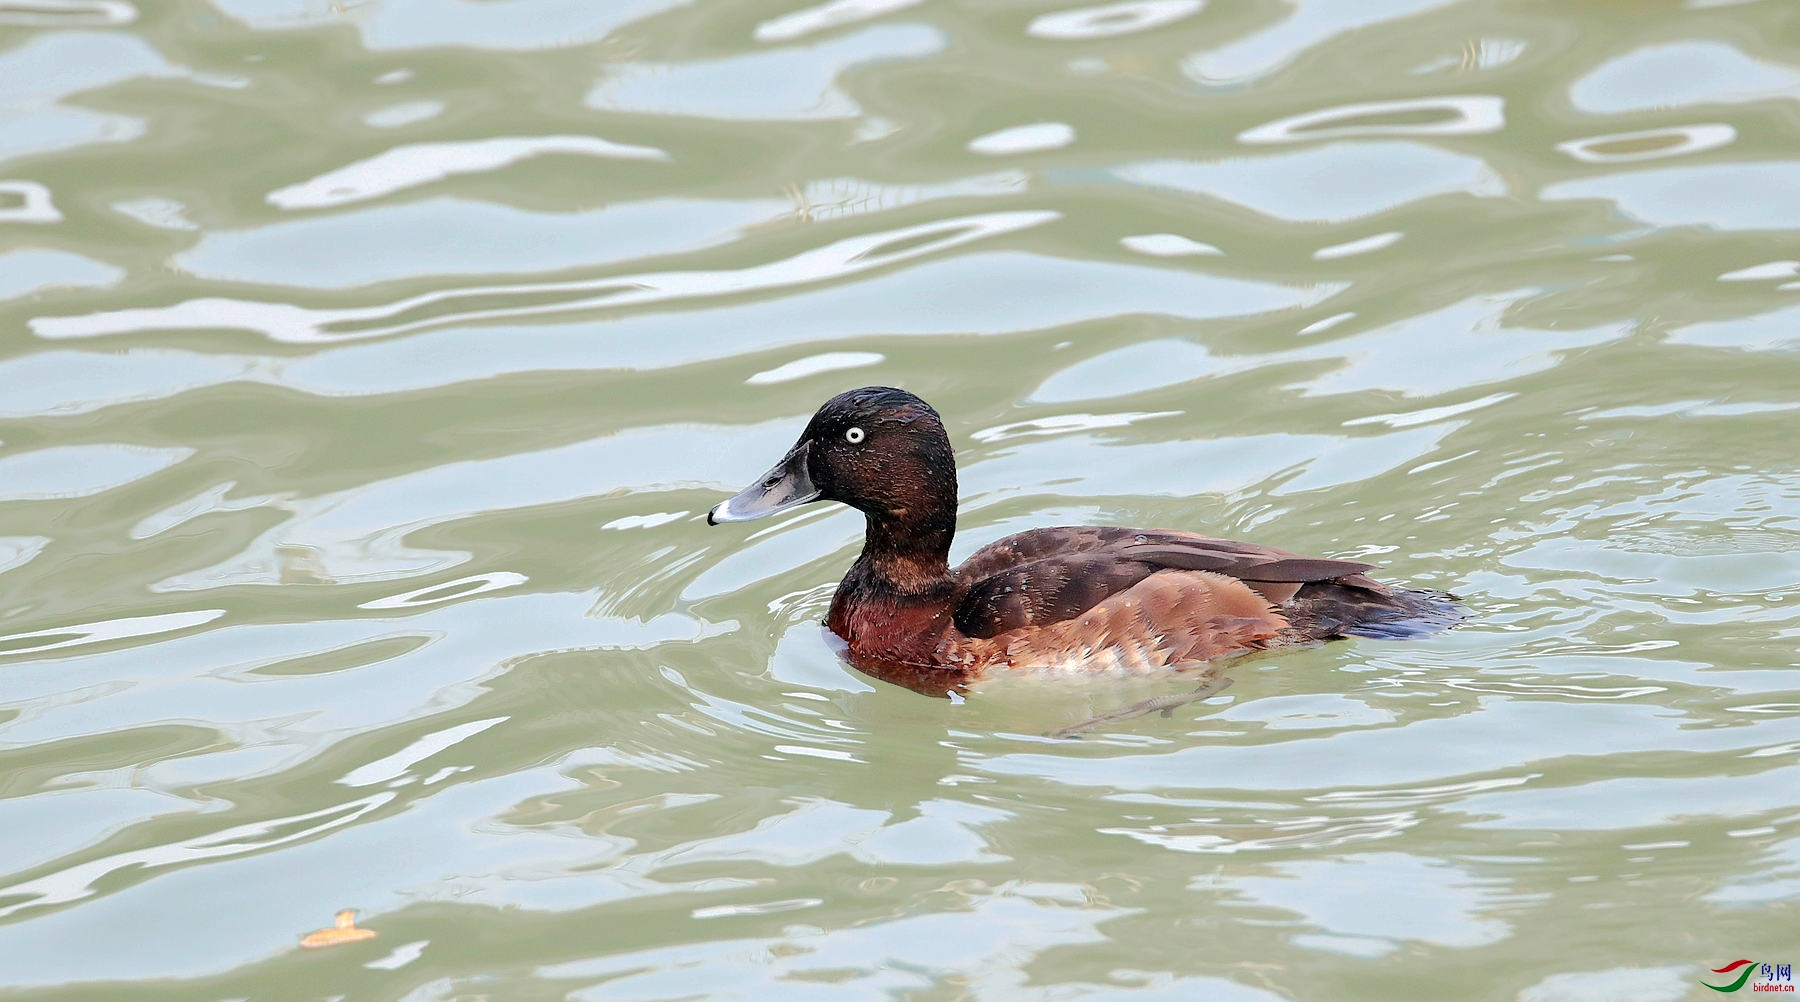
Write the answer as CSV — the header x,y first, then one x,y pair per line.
x,y
1460,115
405,113
1626,804
461,588
1365,245
363,533
943,831
1166,245
287,322
1485,744
396,765
1108,20
1428,415
1462,346
1302,25
405,167
379,673
1768,271
1062,424
843,197
400,956
1286,462
59,638
1281,834
34,203
1333,183
834,14
162,213
1031,138
1649,144
380,859
952,296
1136,368
646,521
69,14
77,882
813,365
213,500
1484,54
930,298
17,551
453,236
484,24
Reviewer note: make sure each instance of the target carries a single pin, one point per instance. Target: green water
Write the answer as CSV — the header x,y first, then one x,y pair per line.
x,y
367,369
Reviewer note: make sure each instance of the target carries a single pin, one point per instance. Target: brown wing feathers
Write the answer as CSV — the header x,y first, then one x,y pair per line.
x,y
1045,591
1264,566
1050,575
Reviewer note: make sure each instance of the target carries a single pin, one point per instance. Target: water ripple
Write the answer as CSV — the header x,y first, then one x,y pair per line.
x,y
364,403
409,166
286,322
1461,115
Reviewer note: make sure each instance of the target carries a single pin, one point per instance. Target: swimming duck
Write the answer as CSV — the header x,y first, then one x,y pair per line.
x,y
1078,598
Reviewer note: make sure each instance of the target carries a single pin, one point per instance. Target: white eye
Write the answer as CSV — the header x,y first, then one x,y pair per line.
x,y
854,435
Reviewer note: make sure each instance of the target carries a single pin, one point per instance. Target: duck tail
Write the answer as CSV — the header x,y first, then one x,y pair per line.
x,y
1327,610
1416,612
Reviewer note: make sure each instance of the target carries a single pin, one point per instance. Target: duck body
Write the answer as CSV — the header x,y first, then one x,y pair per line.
x,y
1083,599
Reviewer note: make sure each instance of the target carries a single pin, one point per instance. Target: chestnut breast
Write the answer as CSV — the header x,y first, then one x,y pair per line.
x,y
889,623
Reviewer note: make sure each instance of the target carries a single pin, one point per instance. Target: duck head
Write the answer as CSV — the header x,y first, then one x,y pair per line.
x,y
880,450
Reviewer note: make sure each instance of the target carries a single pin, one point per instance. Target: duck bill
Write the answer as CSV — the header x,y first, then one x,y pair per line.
x,y
786,486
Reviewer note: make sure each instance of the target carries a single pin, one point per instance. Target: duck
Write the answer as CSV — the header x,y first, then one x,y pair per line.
x,y
1067,599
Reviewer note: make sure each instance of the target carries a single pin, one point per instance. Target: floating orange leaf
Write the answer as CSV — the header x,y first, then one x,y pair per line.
x,y
345,931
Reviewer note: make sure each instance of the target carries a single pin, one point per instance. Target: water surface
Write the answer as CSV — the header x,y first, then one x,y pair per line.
x,y
366,371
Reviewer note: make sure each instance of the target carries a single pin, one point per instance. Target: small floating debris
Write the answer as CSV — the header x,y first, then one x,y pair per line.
x,y
344,931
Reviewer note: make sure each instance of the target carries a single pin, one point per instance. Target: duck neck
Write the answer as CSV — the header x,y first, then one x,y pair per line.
x,y
907,553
